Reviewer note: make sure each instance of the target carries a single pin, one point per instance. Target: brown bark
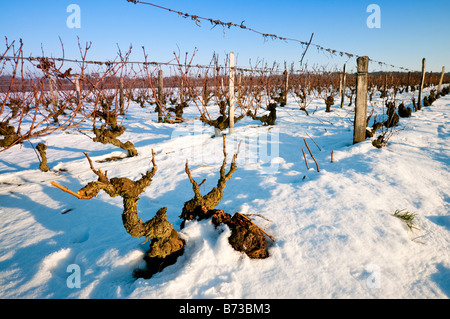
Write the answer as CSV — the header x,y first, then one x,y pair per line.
x,y
245,235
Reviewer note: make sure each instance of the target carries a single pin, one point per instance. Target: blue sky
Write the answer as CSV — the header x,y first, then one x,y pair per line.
x,y
410,30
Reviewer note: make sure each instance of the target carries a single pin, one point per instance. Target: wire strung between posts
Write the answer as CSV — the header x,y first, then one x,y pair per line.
x,y
214,22
109,64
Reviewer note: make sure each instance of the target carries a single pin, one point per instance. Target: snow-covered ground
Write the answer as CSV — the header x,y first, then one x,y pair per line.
x,y
334,230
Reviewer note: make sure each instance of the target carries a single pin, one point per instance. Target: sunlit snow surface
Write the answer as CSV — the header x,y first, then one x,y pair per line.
x,y
335,233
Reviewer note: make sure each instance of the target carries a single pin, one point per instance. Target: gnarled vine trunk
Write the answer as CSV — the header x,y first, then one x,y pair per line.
x,y
266,119
223,121
166,245
9,133
42,148
106,135
245,235
200,206
109,132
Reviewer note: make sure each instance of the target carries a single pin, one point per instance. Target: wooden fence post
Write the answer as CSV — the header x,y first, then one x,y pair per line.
x,y
422,80
440,81
160,95
78,89
344,76
286,86
231,93
359,133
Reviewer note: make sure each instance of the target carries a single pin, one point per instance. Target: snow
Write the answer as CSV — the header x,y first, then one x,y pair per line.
x,y
334,230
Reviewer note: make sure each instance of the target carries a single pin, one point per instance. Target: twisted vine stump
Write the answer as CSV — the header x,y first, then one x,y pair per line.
x,y
108,135
166,245
178,110
9,133
42,148
246,236
329,101
404,111
266,119
109,132
200,207
223,121
393,117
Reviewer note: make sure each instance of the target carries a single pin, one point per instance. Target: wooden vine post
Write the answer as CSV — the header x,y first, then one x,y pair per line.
x,y
440,81
422,81
286,86
231,93
78,89
359,133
